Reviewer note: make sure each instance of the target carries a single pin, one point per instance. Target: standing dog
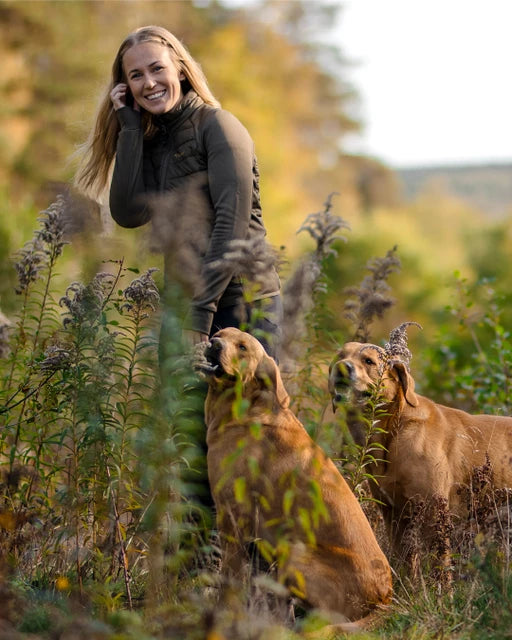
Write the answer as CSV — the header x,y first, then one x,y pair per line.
x,y
272,484
426,449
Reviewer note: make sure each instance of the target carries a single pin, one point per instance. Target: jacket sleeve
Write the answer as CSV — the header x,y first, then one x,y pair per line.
x,y
230,155
128,204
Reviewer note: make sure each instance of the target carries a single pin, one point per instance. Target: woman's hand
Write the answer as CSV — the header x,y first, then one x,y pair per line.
x,y
118,97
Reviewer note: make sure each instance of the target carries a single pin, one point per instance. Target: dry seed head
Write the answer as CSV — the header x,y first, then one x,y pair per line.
x,y
323,227
142,293
45,246
56,358
85,302
371,299
31,260
397,345
253,259
180,229
53,227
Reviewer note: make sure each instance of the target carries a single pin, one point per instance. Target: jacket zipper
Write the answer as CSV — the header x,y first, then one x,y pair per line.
x,y
163,171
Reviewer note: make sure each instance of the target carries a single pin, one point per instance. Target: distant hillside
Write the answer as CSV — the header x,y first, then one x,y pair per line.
x,y
487,187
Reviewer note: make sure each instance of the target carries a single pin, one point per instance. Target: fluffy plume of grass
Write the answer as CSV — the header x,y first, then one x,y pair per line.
x,y
181,231
45,247
397,345
142,296
371,299
252,259
324,228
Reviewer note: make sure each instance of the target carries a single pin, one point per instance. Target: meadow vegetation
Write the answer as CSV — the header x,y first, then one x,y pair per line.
x,y
104,532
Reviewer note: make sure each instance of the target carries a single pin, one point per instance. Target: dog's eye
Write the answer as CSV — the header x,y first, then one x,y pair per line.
x,y
368,361
242,347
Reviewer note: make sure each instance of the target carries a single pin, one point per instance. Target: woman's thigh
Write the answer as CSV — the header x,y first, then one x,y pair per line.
x,y
261,318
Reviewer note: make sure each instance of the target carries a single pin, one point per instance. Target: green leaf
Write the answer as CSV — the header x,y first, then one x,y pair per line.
x,y
239,487
288,498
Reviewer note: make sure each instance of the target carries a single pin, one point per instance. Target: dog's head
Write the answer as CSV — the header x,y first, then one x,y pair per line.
x,y
359,369
233,355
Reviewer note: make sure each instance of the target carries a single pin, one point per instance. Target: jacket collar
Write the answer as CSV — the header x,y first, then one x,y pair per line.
x,y
166,121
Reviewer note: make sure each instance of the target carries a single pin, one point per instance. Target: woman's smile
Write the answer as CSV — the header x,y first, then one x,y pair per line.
x,y
156,96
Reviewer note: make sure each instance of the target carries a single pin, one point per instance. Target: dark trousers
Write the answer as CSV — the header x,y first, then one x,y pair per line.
x,y
261,318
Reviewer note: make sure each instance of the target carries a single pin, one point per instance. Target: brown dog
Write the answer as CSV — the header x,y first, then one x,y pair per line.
x,y
272,484
427,449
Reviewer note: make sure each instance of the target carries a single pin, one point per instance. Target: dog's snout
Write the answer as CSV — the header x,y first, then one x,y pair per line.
x,y
341,379
349,368
213,348
343,372
214,345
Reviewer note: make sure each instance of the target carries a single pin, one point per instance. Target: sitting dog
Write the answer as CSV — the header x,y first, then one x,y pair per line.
x,y
274,486
425,449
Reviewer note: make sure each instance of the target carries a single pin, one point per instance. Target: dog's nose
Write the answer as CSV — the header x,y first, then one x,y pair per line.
x,y
214,346
343,372
349,367
340,380
215,343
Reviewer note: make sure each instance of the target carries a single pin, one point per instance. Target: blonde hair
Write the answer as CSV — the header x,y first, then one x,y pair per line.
x,y
99,150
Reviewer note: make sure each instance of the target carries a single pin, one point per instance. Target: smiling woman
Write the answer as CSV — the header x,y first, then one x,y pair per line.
x,y
169,136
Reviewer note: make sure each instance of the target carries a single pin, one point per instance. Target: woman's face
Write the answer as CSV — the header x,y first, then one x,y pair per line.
x,y
153,78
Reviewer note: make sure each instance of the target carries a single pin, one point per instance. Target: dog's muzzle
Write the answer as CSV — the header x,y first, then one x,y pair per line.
x,y
341,381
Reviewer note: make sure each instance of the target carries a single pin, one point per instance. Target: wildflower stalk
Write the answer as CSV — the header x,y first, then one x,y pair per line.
x,y
86,387
9,407
124,557
366,461
37,256
141,298
20,335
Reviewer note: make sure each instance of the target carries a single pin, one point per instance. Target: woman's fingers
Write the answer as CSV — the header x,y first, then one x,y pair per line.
x,y
118,95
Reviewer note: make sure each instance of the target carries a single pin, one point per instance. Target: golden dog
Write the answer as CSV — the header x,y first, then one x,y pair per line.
x,y
272,484
427,449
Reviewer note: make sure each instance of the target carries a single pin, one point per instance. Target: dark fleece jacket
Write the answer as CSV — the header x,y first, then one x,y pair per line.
x,y
205,154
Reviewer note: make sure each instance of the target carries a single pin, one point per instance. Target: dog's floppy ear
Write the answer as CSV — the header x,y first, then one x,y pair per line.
x,y
401,373
268,373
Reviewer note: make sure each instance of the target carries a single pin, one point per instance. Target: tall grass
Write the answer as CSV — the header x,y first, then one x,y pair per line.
x,y
102,523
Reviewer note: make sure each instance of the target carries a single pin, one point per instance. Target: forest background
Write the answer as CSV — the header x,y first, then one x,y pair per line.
x,y
270,65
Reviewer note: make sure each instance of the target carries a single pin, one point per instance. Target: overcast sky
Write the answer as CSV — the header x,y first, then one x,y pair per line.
x,y
434,76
